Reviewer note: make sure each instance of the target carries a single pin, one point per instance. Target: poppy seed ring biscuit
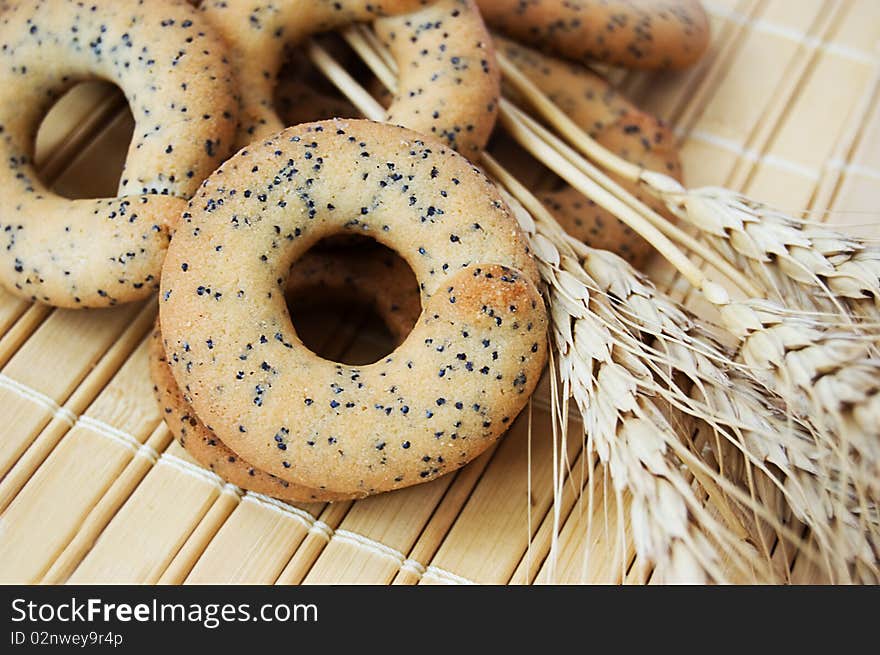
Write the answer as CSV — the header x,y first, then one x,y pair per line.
x,y
436,402
449,83
647,34
172,68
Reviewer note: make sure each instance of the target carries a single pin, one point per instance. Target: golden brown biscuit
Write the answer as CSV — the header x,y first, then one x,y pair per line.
x,y
298,102
643,140
204,446
303,94
441,398
587,98
615,122
449,82
172,68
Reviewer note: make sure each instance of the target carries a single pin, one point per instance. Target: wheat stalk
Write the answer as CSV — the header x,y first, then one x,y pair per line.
x,y
823,371
828,374
622,301
823,380
760,431
769,445
733,409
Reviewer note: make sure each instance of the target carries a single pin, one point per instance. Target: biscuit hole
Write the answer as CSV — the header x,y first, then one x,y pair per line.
x,y
342,319
83,141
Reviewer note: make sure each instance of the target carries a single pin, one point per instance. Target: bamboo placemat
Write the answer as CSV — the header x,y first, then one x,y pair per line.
x,y
784,107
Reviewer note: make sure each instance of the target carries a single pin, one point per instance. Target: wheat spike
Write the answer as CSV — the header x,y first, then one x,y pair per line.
x,y
828,378
826,371
802,266
627,432
768,445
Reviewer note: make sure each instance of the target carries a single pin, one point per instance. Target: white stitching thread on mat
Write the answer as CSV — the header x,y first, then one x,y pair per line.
x,y
322,530
791,34
751,155
314,525
231,490
282,508
95,425
838,164
347,536
106,430
37,397
722,142
371,544
196,471
789,166
413,566
848,52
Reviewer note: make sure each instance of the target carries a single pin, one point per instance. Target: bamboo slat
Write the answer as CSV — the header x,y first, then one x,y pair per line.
x,y
597,561
52,362
144,536
819,115
108,505
435,531
729,124
78,401
195,545
500,505
857,197
369,544
253,546
102,179
10,309
77,473
312,546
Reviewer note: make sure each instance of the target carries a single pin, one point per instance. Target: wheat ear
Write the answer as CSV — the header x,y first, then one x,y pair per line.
x,y
805,263
795,455
825,372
